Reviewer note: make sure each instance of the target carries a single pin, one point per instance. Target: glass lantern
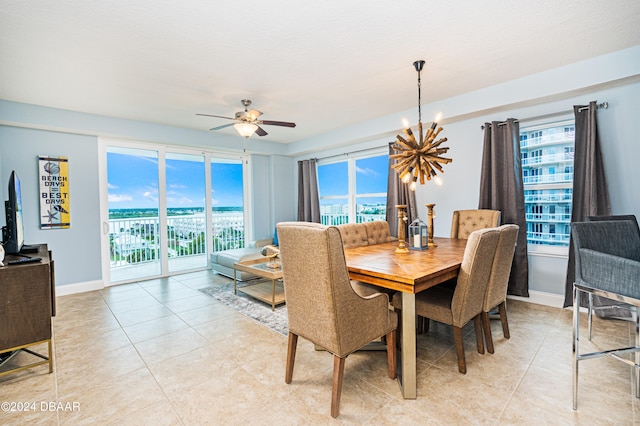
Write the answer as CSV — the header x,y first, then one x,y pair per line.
x,y
418,235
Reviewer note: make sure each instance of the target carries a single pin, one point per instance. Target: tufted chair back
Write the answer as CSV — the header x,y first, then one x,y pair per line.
x,y
378,232
464,222
353,235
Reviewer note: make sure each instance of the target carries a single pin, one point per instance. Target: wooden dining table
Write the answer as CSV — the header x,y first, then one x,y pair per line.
x,y
409,273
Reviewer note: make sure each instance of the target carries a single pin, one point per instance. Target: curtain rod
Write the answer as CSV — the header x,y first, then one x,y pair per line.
x,y
603,105
351,152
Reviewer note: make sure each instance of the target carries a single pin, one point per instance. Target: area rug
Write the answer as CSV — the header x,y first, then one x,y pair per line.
x,y
252,308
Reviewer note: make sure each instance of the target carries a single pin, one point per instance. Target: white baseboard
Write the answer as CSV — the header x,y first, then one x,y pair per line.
x,y
538,297
65,290
542,298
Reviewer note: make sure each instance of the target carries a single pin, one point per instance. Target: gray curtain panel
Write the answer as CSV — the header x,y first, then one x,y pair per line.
x,y
398,193
308,197
501,188
590,192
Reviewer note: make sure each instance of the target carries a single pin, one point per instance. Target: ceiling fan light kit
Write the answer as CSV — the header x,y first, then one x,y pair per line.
x,y
245,129
247,121
419,158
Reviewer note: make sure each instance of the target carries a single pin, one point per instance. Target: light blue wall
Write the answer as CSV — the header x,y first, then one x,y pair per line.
x,y
27,131
614,78
76,250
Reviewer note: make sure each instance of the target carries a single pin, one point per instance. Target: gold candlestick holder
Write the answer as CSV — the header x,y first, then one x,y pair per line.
x,y
402,218
431,216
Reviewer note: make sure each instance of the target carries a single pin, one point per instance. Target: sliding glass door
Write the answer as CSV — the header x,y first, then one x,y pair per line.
x,y
133,225
186,219
168,208
227,203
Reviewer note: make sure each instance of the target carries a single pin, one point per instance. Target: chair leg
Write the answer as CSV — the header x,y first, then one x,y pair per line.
x,y
457,336
503,319
291,356
391,354
575,346
590,314
427,322
336,390
419,324
487,331
636,372
477,323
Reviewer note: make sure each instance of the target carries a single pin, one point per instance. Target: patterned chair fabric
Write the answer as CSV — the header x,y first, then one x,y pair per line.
x,y
353,235
457,306
321,305
464,222
362,234
496,294
378,232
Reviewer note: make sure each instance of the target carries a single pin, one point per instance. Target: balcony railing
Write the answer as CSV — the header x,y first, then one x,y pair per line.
x,y
547,238
548,198
339,219
549,217
136,240
554,178
562,157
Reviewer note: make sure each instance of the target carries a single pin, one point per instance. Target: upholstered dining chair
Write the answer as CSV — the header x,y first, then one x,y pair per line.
x,y
377,232
321,305
618,310
457,306
607,257
464,222
496,294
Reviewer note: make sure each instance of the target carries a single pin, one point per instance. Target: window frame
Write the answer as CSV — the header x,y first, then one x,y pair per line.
x,y
559,121
351,195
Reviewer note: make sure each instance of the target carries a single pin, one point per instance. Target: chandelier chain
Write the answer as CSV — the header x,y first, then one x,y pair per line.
x,y
419,101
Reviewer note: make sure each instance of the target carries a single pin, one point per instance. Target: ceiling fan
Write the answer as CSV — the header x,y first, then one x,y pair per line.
x,y
247,122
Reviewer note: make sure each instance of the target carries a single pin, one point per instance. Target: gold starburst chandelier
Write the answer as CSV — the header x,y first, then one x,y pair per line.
x,y
422,157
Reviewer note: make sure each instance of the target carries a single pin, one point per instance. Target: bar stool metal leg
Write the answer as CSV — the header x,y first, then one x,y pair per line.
x,y
590,313
636,372
576,338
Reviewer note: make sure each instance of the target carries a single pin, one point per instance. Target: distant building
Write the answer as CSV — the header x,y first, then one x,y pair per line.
x,y
547,155
125,244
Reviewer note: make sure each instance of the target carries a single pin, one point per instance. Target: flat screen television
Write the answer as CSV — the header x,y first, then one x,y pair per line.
x,y
13,232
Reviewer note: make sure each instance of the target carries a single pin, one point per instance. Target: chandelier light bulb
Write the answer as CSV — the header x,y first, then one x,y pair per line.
x,y
413,184
406,177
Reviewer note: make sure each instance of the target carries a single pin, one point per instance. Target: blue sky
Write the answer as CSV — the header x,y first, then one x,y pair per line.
x,y
371,177
133,182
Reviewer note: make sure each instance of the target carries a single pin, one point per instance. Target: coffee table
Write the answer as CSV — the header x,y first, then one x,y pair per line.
x,y
267,292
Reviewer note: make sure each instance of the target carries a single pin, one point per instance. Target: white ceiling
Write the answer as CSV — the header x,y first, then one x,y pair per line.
x,y
322,64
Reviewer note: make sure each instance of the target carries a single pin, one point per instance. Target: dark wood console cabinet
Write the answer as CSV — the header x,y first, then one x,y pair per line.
x,y
27,303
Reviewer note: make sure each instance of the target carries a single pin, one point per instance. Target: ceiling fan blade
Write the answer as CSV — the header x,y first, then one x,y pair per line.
x,y
260,131
253,114
221,127
278,123
217,116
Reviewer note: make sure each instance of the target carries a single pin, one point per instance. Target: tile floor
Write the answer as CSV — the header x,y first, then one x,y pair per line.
x,y
161,353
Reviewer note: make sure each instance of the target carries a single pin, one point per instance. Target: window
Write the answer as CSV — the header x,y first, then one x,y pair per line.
x,y
354,190
547,169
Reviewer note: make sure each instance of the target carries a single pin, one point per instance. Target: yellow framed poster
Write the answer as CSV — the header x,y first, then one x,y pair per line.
x,y
55,211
